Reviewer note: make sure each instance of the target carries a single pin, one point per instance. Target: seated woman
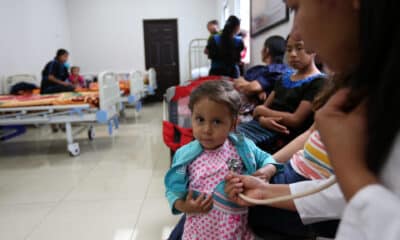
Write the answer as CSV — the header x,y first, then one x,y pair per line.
x,y
224,50
259,80
287,111
55,75
306,159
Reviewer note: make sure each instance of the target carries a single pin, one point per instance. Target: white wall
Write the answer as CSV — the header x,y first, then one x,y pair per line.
x,y
233,8
257,43
31,32
109,34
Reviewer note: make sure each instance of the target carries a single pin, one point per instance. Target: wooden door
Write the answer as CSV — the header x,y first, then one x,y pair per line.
x,y
162,52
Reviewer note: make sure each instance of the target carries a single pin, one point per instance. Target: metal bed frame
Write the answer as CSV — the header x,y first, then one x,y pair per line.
x,y
199,64
107,113
138,89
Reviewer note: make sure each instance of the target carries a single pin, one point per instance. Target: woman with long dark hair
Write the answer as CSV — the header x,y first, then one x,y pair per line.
x,y
225,49
358,40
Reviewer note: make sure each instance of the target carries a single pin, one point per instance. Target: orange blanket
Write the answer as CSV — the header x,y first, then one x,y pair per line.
x,y
11,101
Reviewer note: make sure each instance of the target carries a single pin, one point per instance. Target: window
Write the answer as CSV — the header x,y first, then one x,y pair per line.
x,y
225,13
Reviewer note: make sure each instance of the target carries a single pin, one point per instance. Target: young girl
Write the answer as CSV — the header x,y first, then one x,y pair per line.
x,y
195,182
288,109
75,79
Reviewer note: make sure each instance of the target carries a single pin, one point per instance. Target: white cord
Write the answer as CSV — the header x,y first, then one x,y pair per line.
x,y
330,182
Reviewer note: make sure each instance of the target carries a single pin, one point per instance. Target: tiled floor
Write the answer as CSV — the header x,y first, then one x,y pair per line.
x,y
112,191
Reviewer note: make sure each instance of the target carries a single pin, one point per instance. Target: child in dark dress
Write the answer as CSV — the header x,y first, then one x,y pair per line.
x,y
288,109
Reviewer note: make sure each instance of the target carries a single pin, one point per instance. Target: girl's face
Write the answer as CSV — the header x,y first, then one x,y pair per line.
x,y
330,28
211,122
298,58
75,71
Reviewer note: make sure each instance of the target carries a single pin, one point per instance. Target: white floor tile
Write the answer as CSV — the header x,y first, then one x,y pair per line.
x,y
156,220
156,188
100,220
109,184
18,221
38,189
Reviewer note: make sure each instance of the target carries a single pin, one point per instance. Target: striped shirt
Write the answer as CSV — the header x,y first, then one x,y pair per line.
x,y
312,162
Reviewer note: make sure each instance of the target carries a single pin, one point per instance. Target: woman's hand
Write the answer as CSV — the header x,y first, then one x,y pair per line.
x,y
250,186
240,83
201,204
272,123
345,136
66,84
265,173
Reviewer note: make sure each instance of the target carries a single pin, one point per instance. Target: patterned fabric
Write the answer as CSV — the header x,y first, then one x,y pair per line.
x,y
312,162
266,75
12,101
288,83
255,132
205,174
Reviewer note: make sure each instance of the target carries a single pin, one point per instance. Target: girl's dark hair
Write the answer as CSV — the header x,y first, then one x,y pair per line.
x,y
219,91
276,46
74,67
377,77
61,52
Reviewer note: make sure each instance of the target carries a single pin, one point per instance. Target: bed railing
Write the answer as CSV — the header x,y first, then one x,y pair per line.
x,y
152,75
199,63
137,88
109,95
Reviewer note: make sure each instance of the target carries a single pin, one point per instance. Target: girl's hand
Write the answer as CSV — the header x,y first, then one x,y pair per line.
x,y
248,185
272,123
345,136
262,96
201,204
265,173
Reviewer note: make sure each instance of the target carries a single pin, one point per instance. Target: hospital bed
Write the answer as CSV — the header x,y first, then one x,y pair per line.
x,y
199,64
135,86
106,112
150,81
